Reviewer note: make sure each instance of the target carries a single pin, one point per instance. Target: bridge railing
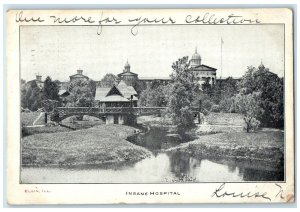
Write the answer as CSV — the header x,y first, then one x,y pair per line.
x,y
108,110
79,110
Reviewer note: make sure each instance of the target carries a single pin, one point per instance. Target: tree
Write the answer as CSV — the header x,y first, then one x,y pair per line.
x,y
248,84
182,94
271,99
81,94
50,90
227,105
108,80
207,88
23,94
32,96
155,97
92,86
248,105
222,90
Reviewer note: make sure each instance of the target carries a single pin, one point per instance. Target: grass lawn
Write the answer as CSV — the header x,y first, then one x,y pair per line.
x,y
264,146
27,119
225,119
51,129
93,146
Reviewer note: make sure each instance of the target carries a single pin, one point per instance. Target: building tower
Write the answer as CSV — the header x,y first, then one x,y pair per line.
x,y
196,59
127,76
204,73
126,67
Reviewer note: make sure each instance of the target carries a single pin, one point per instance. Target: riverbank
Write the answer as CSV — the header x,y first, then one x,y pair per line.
x,y
262,146
154,121
94,146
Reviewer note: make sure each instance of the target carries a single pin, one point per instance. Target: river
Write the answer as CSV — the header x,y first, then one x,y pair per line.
x,y
161,167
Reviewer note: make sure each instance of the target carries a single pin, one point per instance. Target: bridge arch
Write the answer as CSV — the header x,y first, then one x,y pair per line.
x,y
59,118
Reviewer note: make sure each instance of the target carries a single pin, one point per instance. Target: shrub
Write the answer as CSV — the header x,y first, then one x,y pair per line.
x,y
25,131
215,108
249,106
227,105
207,104
205,112
252,124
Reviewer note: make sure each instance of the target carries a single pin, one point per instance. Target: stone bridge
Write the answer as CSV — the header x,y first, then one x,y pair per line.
x,y
112,115
61,113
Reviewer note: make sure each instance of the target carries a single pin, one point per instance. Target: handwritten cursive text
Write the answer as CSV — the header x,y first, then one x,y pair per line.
x,y
209,18
221,192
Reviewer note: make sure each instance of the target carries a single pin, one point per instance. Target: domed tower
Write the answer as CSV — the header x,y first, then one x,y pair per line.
x,y
203,72
196,59
127,76
126,67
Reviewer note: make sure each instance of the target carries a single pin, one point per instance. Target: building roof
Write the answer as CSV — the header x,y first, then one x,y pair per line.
x,y
121,90
203,68
129,73
126,90
101,93
79,76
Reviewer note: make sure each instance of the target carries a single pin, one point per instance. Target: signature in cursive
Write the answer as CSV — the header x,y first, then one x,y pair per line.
x,y
221,192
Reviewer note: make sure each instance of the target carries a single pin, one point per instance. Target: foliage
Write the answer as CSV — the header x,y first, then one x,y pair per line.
x,y
81,94
182,94
154,97
51,89
24,130
31,96
108,80
215,108
227,105
221,93
202,100
248,105
92,86
24,96
222,90
270,86
207,88
140,86
207,104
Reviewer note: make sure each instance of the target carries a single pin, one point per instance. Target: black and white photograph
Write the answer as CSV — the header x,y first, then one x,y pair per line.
x,y
170,104
152,101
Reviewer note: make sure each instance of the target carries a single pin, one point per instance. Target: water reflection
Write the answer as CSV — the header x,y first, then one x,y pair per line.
x,y
250,174
181,164
161,167
156,139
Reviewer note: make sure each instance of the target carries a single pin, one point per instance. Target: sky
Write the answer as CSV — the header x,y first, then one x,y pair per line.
x,y
58,51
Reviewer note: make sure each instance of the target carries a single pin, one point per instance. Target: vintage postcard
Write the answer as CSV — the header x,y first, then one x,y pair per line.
x,y
150,106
